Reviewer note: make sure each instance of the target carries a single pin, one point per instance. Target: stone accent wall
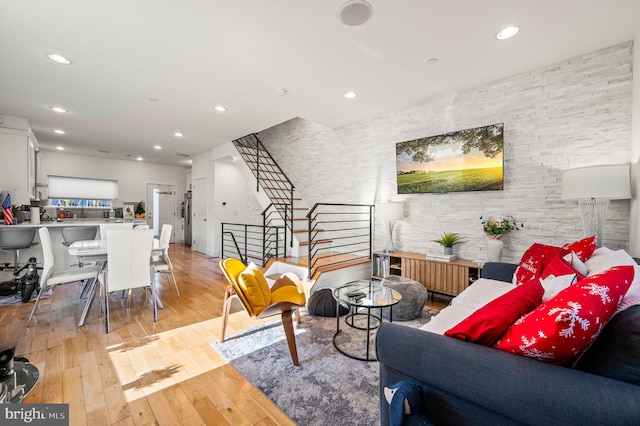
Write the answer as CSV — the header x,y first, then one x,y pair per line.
x,y
569,114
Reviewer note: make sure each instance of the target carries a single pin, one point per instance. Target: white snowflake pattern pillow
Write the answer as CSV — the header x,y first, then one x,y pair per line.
x,y
559,330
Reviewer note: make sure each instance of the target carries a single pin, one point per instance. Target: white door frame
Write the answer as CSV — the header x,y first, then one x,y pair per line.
x,y
149,202
200,207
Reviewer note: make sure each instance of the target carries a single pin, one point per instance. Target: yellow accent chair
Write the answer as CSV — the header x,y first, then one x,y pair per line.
x,y
249,285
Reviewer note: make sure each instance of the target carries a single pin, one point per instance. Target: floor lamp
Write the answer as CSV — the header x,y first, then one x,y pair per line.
x,y
593,187
389,213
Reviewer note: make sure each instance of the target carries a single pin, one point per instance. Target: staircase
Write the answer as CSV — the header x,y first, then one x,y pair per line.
x,y
326,238
290,208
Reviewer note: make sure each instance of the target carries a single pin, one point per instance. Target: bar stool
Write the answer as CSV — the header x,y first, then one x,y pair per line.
x,y
72,234
16,239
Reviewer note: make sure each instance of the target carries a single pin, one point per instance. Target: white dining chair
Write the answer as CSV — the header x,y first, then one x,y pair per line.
x,y
52,276
141,227
106,227
162,264
128,254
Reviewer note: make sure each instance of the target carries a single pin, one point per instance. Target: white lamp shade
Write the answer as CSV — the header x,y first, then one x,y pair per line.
x,y
390,211
603,182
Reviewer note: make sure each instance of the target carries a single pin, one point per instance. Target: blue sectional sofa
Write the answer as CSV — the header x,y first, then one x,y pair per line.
x,y
468,384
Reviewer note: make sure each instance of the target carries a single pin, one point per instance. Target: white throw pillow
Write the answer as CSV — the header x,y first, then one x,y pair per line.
x,y
553,285
576,263
605,258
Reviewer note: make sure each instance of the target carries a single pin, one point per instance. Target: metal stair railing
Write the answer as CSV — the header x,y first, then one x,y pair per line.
x,y
339,234
269,176
252,243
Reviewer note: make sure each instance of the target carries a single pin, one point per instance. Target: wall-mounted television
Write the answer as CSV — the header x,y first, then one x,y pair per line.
x,y
465,160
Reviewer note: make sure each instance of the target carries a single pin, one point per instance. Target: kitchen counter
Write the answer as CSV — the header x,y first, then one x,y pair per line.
x,y
75,222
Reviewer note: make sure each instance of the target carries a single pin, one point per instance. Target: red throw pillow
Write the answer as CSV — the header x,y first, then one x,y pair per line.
x,y
583,248
487,324
559,267
534,261
559,330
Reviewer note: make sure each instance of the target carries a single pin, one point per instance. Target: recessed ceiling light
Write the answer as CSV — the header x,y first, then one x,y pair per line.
x,y
219,108
178,135
60,148
58,109
281,91
157,147
432,61
350,95
103,151
507,32
139,158
58,58
190,161
59,131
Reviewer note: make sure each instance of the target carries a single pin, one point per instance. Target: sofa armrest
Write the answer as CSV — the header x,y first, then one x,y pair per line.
x,y
500,271
515,387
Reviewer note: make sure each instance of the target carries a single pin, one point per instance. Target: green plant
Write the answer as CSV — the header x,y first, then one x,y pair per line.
x,y
449,239
496,228
140,207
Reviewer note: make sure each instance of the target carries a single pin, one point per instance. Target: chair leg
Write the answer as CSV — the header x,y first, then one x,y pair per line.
x,y
35,305
154,301
85,289
287,323
106,310
298,318
225,313
175,284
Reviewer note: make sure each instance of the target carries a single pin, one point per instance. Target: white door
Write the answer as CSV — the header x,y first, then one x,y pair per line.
x,y
200,196
161,207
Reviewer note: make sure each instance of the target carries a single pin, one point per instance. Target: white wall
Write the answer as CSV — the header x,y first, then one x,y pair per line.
x,y
634,237
132,176
573,113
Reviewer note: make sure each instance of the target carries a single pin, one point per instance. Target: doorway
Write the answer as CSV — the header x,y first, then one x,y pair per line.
x,y
200,196
161,207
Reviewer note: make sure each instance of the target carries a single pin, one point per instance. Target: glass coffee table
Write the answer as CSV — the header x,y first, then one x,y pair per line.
x,y
362,297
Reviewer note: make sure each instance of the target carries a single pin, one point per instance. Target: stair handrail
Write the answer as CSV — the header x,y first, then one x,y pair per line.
x,y
312,234
259,241
235,243
252,140
265,225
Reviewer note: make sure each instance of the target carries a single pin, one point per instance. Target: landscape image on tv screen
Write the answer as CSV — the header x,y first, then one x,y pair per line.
x,y
465,160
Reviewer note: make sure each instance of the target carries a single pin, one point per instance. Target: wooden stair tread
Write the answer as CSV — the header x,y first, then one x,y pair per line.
x,y
306,243
337,266
306,230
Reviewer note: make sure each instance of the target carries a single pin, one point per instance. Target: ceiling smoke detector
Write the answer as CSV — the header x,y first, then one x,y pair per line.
x,y
355,12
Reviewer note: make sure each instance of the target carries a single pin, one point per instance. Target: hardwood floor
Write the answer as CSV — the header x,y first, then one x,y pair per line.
x,y
142,372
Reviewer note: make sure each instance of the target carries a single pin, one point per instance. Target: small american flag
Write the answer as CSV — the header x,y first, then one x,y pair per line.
x,y
6,210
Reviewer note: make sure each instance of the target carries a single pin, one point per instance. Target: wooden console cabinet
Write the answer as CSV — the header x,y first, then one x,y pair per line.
x,y
443,277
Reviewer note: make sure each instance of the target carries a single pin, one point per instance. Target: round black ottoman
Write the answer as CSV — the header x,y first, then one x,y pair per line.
x,y
322,304
414,296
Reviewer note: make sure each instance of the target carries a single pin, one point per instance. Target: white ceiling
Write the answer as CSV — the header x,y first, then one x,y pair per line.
x,y
191,55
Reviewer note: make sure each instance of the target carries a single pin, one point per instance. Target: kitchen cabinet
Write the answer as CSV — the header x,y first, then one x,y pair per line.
x,y
18,170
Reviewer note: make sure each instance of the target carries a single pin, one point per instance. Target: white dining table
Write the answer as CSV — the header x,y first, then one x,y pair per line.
x,y
96,251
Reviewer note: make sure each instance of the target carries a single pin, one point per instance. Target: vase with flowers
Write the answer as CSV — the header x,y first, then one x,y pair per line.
x,y
495,229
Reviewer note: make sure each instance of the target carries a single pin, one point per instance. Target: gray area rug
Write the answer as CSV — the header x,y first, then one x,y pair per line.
x,y
327,387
